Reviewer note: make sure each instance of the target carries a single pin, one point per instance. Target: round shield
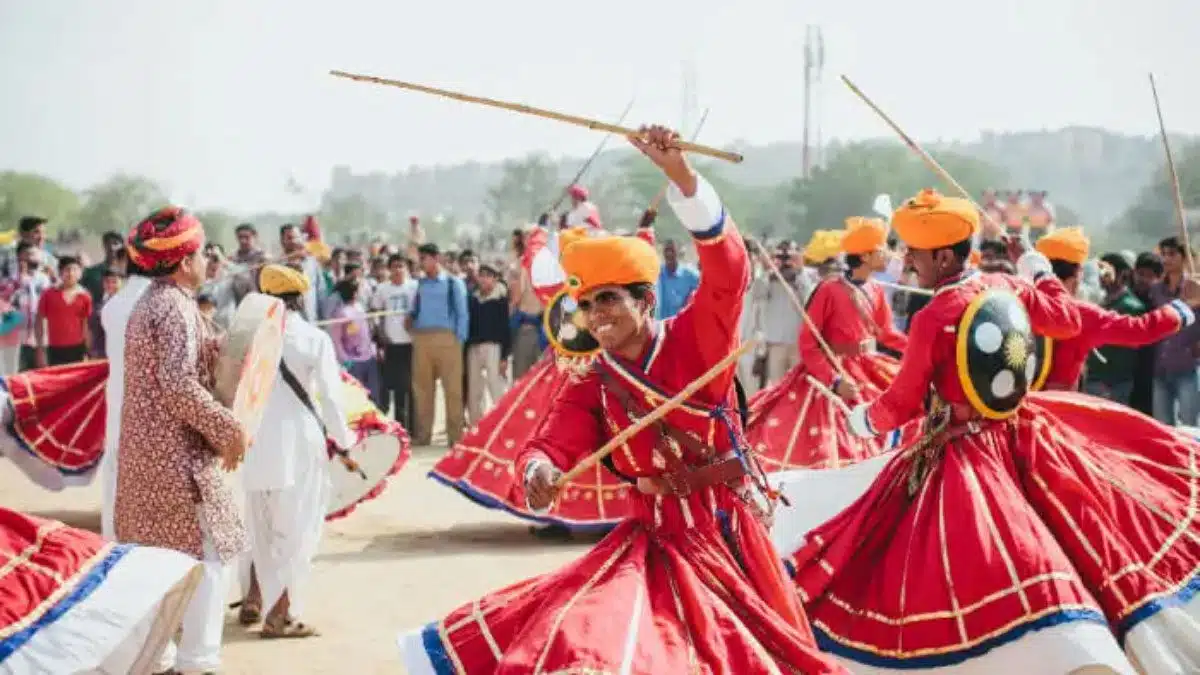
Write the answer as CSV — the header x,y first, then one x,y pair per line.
x,y
565,328
997,354
1044,353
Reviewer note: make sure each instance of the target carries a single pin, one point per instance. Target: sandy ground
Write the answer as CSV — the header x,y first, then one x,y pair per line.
x,y
393,565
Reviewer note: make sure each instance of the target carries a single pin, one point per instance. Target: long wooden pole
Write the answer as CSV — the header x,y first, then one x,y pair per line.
x,y
925,156
1179,211
663,191
588,164
808,322
537,112
654,415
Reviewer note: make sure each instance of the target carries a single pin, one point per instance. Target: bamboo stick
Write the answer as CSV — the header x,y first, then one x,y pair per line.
x,y
537,112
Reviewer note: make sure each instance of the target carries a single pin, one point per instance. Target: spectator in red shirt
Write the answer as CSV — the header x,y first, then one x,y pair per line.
x,y
62,328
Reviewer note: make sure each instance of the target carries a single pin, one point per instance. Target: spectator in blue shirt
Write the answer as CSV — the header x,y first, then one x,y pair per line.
x,y
676,282
439,324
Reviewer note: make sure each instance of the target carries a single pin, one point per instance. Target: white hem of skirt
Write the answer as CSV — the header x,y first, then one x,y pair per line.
x,y
413,654
145,593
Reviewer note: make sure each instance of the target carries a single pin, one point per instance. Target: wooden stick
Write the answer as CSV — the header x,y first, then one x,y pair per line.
x,y
925,156
538,112
808,322
907,289
654,415
368,315
1179,212
663,191
586,165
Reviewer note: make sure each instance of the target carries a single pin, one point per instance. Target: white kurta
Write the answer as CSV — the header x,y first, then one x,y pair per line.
x,y
114,317
285,474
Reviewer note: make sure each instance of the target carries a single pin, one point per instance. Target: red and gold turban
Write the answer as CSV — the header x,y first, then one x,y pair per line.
x,y
164,239
930,221
592,262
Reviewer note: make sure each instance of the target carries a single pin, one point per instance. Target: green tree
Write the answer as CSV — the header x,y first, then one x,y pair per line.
x,y
849,182
350,217
527,187
119,202
1153,216
220,227
28,194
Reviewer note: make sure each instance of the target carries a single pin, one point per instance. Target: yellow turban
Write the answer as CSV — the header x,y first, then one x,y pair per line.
x,y
1068,244
282,280
863,235
592,262
931,221
823,245
319,250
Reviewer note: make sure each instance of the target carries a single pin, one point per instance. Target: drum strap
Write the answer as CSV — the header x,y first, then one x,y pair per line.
x,y
294,384
290,378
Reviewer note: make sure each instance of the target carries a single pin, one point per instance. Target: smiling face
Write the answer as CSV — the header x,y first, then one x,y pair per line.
x,y
616,319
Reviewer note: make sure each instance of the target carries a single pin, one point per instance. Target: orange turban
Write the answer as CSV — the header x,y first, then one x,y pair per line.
x,y
1067,244
571,235
863,235
931,221
164,239
592,262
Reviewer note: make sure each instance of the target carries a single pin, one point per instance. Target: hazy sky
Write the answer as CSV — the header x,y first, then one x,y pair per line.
x,y
222,99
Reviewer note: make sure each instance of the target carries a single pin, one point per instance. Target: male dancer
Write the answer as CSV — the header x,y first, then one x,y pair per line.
x,y
286,483
175,437
1016,540
689,582
793,424
1067,250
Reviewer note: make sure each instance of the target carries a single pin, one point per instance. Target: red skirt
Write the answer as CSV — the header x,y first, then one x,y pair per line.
x,y
72,602
700,592
482,466
59,414
793,425
1076,511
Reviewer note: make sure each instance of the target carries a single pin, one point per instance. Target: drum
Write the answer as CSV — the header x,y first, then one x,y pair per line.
x,y
362,472
250,357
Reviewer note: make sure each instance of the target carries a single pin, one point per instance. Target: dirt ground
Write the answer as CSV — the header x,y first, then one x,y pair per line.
x,y
396,563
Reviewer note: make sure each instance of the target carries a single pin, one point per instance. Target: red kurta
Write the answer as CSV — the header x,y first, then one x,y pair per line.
x,y
483,465
792,424
686,584
1105,327
1023,524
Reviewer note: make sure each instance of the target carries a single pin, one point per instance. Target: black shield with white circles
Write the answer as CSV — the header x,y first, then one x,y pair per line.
x,y
997,354
565,329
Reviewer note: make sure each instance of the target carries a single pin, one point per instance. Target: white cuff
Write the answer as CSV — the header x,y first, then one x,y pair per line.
x,y
1186,316
703,212
859,424
531,468
1031,264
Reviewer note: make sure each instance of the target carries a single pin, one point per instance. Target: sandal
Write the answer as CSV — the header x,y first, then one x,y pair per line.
x,y
248,614
289,629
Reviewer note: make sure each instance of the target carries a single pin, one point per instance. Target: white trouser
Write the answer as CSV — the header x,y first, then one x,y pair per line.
x,y
285,532
108,491
483,374
745,373
780,359
199,648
